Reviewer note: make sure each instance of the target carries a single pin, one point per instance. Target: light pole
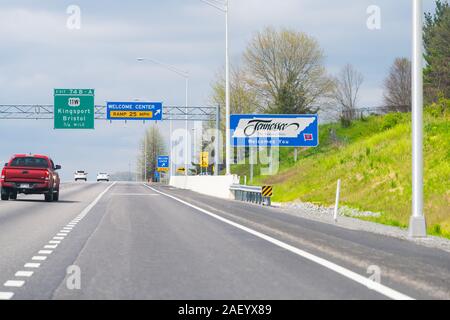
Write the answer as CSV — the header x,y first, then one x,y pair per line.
x,y
145,155
185,75
194,137
417,225
223,6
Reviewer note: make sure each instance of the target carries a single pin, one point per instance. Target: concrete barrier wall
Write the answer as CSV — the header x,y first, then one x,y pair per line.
x,y
216,186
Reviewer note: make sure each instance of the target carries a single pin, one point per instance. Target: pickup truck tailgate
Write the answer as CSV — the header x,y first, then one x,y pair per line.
x,y
25,174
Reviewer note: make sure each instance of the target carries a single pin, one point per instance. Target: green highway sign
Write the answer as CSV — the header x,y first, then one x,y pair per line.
x,y
74,108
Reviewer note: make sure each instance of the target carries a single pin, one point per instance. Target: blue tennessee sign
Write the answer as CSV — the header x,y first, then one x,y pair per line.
x,y
278,130
134,111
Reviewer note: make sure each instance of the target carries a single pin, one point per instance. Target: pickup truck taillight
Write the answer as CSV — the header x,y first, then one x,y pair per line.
x,y
2,177
47,176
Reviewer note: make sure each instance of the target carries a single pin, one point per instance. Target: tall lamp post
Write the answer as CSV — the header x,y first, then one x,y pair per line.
x,y
223,6
417,225
185,75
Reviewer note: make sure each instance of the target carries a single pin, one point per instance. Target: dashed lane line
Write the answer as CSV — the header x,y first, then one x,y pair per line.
x,y
39,258
53,244
6,295
45,251
26,274
14,283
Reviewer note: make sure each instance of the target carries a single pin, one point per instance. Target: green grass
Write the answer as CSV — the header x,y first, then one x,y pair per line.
x,y
372,157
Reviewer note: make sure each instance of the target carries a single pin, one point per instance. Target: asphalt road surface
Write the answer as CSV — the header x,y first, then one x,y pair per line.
x,y
131,241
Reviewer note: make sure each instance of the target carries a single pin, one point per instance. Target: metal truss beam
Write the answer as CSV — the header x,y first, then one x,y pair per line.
x,y
45,112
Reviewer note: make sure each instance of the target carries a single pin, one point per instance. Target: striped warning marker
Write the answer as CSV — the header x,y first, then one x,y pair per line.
x,y
267,191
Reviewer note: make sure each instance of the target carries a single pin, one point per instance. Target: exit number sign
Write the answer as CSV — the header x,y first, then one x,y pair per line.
x,y
74,108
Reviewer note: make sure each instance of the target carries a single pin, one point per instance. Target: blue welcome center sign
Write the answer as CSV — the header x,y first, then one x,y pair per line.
x,y
163,162
278,130
134,111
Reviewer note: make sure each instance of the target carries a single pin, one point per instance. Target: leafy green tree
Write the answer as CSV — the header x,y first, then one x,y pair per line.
x,y
285,69
437,52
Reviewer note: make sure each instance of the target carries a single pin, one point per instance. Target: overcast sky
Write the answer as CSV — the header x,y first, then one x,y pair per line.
x,y
39,53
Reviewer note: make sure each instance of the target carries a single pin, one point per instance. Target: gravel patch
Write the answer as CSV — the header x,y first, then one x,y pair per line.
x,y
347,218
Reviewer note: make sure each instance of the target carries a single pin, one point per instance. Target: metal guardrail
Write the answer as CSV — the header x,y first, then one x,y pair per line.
x,y
253,194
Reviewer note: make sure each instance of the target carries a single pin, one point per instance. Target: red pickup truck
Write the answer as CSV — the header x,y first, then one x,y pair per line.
x,y
30,174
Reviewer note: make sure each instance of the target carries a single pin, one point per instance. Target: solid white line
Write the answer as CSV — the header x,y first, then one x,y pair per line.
x,y
93,203
24,274
39,258
6,295
134,194
45,251
32,265
51,246
388,292
14,283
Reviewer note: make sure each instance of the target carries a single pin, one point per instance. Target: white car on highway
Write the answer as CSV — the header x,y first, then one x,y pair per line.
x,y
80,175
102,177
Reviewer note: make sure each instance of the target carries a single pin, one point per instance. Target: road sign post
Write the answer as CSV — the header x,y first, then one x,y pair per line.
x,y
74,108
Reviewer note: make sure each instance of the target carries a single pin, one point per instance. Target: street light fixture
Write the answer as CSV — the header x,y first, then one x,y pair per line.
x,y
223,6
185,75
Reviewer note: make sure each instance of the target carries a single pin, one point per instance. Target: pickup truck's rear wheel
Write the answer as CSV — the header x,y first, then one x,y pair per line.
x,y
13,196
49,196
56,196
4,194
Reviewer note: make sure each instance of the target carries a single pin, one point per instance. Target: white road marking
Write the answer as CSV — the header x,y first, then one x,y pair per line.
x,y
386,291
14,283
24,274
135,194
32,265
93,203
6,295
45,251
39,258
55,242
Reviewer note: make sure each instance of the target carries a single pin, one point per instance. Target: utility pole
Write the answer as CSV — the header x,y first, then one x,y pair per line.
x,y
217,142
223,6
417,225
145,157
185,75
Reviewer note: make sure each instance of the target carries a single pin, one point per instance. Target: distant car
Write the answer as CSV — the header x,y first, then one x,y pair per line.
x,y
30,174
103,177
80,175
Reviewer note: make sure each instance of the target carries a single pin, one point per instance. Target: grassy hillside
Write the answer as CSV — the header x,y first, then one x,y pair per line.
x,y
373,159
